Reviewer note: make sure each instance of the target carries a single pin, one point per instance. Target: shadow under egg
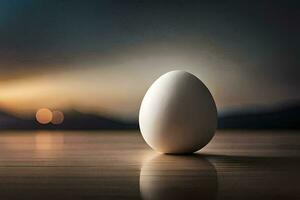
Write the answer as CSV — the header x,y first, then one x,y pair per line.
x,y
178,177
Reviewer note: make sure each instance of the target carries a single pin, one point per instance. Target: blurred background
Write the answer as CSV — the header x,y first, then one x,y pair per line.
x,y
87,64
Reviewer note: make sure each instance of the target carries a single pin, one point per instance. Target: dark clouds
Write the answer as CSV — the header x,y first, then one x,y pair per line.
x,y
261,37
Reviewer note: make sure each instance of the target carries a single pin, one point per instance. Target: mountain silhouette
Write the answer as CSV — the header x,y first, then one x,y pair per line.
x,y
73,121
283,116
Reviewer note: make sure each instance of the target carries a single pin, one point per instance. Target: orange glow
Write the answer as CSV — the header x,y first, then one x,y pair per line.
x,y
47,144
43,141
57,117
44,116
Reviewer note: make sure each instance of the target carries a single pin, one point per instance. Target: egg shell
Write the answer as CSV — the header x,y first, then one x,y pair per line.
x,y
178,114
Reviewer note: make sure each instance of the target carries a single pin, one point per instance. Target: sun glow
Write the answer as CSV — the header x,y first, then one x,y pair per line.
x,y
57,117
44,116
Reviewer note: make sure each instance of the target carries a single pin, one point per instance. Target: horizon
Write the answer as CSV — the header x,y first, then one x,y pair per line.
x,y
278,116
246,54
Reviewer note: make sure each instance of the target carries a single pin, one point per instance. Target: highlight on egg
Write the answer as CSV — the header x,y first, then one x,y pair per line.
x,y
178,114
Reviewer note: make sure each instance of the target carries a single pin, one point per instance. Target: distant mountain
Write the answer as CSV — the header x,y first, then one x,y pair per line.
x,y
284,116
7,121
73,121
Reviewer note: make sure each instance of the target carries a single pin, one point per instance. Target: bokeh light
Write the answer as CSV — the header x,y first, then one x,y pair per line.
x,y
57,117
44,116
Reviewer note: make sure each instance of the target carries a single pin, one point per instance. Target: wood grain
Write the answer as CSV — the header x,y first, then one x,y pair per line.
x,y
119,165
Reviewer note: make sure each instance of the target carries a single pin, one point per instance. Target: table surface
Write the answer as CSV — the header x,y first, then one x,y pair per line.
x,y
119,165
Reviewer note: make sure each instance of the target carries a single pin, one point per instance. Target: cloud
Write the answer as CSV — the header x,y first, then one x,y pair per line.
x,y
246,53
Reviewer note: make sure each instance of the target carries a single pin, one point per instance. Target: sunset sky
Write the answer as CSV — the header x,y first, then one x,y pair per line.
x,y
101,56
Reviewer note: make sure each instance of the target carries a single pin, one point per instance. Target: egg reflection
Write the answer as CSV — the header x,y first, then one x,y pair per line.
x,y
178,177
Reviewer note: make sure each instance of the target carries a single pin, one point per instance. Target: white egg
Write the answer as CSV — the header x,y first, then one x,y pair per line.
x,y
178,114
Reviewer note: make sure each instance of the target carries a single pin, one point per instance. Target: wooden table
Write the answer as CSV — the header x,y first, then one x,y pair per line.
x,y
120,165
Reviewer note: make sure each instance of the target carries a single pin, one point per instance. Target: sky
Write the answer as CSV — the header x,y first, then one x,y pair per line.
x,y
101,56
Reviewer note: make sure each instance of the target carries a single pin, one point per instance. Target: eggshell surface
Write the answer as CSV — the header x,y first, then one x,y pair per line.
x,y
178,114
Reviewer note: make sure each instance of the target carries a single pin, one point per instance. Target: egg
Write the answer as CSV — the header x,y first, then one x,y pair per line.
x,y
178,114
